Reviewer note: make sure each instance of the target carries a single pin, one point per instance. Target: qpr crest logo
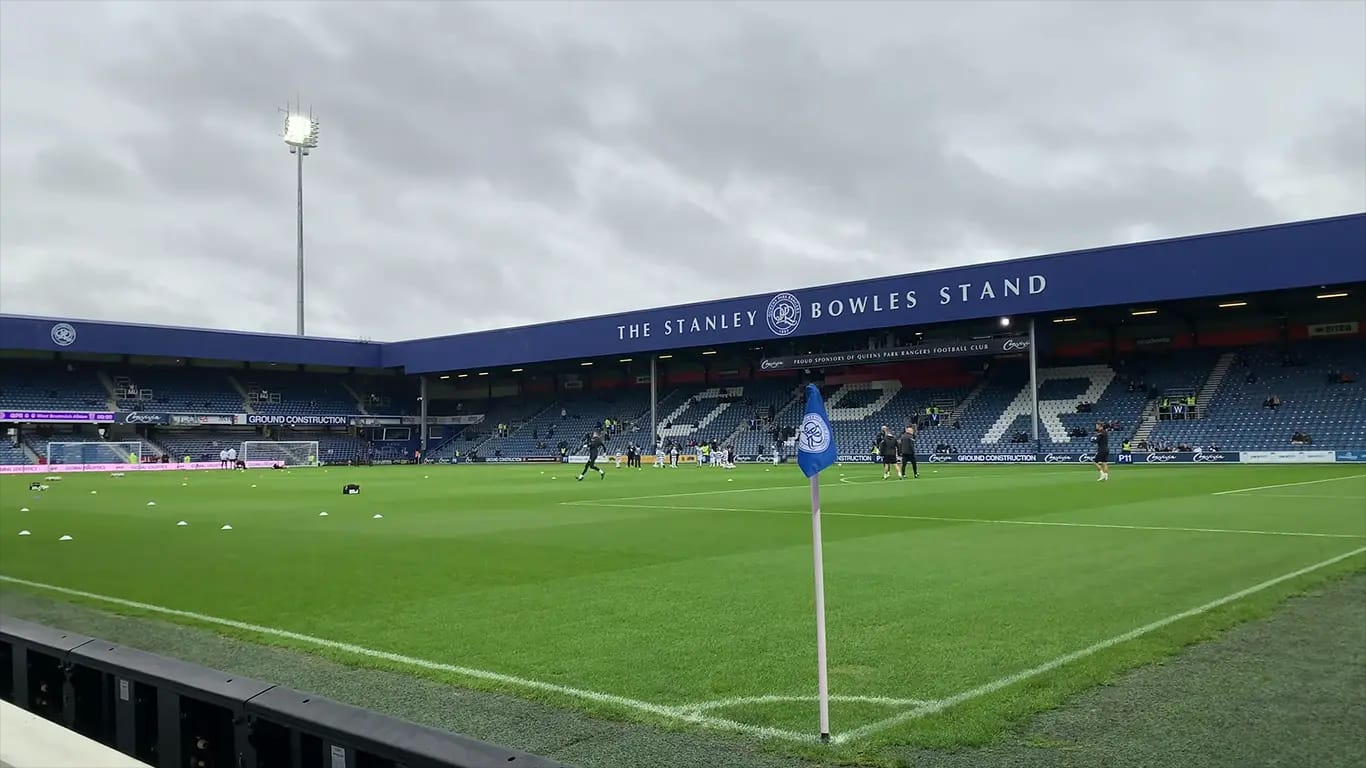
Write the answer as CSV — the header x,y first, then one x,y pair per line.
x,y
784,314
63,334
815,435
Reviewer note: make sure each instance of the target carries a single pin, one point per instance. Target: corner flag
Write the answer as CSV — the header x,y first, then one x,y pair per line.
x,y
816,451
815,440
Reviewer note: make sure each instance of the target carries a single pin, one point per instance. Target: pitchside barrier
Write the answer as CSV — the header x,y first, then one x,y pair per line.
x,y
169,713
62,469
1204,457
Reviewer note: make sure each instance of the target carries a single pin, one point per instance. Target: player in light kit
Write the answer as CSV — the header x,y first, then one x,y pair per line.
x,y
594,446
661,456
673,457
1102,452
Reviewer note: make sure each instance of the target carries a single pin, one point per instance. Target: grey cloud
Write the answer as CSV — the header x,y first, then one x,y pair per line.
x,y
503,163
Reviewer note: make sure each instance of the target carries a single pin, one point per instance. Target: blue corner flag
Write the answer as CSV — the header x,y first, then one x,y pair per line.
x,y
815,440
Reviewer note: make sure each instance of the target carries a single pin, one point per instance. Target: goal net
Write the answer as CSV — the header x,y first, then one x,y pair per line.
x,y
101,452
296,453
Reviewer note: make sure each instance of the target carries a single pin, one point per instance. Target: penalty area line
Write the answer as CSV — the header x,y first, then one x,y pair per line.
x,y
681,714
935,707
986,521
1287,485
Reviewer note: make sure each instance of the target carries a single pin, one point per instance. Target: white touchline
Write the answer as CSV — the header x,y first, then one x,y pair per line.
x,y
804,487
685,714
936,707
1287,485
982,521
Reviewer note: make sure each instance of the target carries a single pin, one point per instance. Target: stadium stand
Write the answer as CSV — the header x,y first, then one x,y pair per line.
x,y
42,386
567,421
1317,388
278,393
174,389
13,453
1319,399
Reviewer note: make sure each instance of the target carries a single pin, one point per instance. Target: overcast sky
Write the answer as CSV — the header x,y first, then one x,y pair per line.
x,y
483,165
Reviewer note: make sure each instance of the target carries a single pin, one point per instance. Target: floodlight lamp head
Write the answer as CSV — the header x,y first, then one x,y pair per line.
x,y
301,131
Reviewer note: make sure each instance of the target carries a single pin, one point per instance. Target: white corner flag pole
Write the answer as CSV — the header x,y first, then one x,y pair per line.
x,y
822,675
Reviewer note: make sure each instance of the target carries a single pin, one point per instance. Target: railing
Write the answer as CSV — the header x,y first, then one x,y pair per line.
x,y
169,713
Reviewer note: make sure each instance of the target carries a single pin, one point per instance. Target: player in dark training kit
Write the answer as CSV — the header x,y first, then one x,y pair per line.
x,y
886,445
906,447
1102,452
594,446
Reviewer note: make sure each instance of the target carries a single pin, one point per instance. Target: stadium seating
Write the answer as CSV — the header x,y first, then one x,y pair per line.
x,y
193,390
1332,413
985,416
45,387
12,454
568,421
279,393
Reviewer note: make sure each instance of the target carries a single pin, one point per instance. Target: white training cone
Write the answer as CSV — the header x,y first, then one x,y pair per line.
x,y
253,485
23,509
377,517
426,477
730,479
184,485
64,538
226,528
25,533
151,503
92,493
181,524
322,514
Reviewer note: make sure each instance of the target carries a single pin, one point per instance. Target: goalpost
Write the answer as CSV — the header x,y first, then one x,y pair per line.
x,y
101,452
289,453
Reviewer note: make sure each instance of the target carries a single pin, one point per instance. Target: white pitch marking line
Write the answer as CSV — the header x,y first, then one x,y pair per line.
x,y
1287,485
675,713
936,707
1309,496
780,699
1045,523
806,486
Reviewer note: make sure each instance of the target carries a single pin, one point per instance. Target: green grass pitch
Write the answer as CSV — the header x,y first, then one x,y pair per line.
x,y
958,603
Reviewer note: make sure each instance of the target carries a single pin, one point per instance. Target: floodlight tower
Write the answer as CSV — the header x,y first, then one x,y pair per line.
x,y
301,134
